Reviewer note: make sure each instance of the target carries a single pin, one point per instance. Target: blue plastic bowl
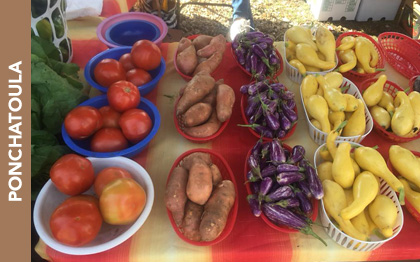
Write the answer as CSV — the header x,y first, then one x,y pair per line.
x,y
127,32
83,146
116,53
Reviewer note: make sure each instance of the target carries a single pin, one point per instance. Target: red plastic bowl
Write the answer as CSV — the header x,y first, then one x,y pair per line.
x,y
408,205
198,139
401,52
227,173
354,75
392,88
279,71
244,104
280,228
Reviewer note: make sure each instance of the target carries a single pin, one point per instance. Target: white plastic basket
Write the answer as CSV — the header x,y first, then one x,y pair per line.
x,y
347,241
320,137
293,73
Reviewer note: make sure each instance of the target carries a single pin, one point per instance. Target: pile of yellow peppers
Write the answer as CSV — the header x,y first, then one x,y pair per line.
x,y
305,54
327,106
401,114
357,53
352,189
408,166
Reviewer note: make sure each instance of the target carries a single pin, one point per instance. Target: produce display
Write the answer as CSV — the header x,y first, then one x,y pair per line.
x,y
398,113
282,183
353,198
270,109
307,54
255,52
328,104
203,54
133,67
204,105
119,199
114,127
358,53
198,198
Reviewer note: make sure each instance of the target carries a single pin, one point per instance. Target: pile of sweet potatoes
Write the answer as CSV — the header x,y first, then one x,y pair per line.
x,y
198,197
204,105
202,54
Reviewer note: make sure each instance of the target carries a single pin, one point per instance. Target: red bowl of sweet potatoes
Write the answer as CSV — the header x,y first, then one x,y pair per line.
x,y
201,222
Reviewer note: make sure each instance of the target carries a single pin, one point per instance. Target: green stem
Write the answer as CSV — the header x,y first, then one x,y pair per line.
x,y
401,197
308,231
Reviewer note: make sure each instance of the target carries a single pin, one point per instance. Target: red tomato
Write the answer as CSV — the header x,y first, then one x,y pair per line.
x,y
108,71
138,76
82,122
110,116
135,124
123,95
72,174
108,175
145,55
125,61
122,201
76,221
108,139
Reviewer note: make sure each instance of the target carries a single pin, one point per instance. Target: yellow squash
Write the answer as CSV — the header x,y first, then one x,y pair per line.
x,y
381,116
349,59
387,102
312,69
384,214
324,170
363,54
412,196
372,226
334,79
300,67
332,136
325,154
308,87
373,94
298,34
360,222
356,167
316,123
336,118
342,168
402,121
347,43
406,163
352,103
335,99
371,160
356,124
325,42
415,104
317,107
365,189
308,56
335,201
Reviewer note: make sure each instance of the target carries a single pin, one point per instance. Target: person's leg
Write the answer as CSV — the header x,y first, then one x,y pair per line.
x,y
242,9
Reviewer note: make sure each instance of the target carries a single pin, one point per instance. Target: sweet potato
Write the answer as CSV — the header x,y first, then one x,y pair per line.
x,y
224,102
199,86
189,160
217,44
216,175
201,41
210,64
196,115
184,43
187,60
191,223
199,185
216,211
175,194
210,98
204,130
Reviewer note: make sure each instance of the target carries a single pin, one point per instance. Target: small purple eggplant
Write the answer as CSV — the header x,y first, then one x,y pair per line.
x,y
244,89
304,187
256,116
270,170
315,184
289,113
254,204
288,203
285,167
278,87
277,152
265,150
255,187
298,153
287,95
282,192
258,51
285,123
251,177
264,131
256,149
286,178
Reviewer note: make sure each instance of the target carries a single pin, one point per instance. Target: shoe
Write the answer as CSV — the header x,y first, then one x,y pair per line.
x,y
238,26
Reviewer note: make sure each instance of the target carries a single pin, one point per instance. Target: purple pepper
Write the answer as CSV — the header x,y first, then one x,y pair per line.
x,y
282,192
254,204
286,178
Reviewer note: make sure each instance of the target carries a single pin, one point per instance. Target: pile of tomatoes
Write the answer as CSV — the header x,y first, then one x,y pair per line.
x,y
77,220
111,128
133,67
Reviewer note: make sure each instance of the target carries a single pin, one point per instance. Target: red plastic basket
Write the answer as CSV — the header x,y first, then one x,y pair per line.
x,y
401,52
226,173
244,104
408,205
392,88
354,75
198,139
280,228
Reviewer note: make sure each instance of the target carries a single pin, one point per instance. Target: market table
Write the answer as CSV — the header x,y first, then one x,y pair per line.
x,y
251,239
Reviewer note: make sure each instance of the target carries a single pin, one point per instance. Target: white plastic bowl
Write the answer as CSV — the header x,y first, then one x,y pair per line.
x,y
109,236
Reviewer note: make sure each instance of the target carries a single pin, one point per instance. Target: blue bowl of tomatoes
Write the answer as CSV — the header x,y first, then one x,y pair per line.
x,y
114,69
83,146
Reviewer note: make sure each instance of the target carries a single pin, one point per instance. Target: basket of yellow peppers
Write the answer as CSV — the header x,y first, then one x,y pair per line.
x,y
360,210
